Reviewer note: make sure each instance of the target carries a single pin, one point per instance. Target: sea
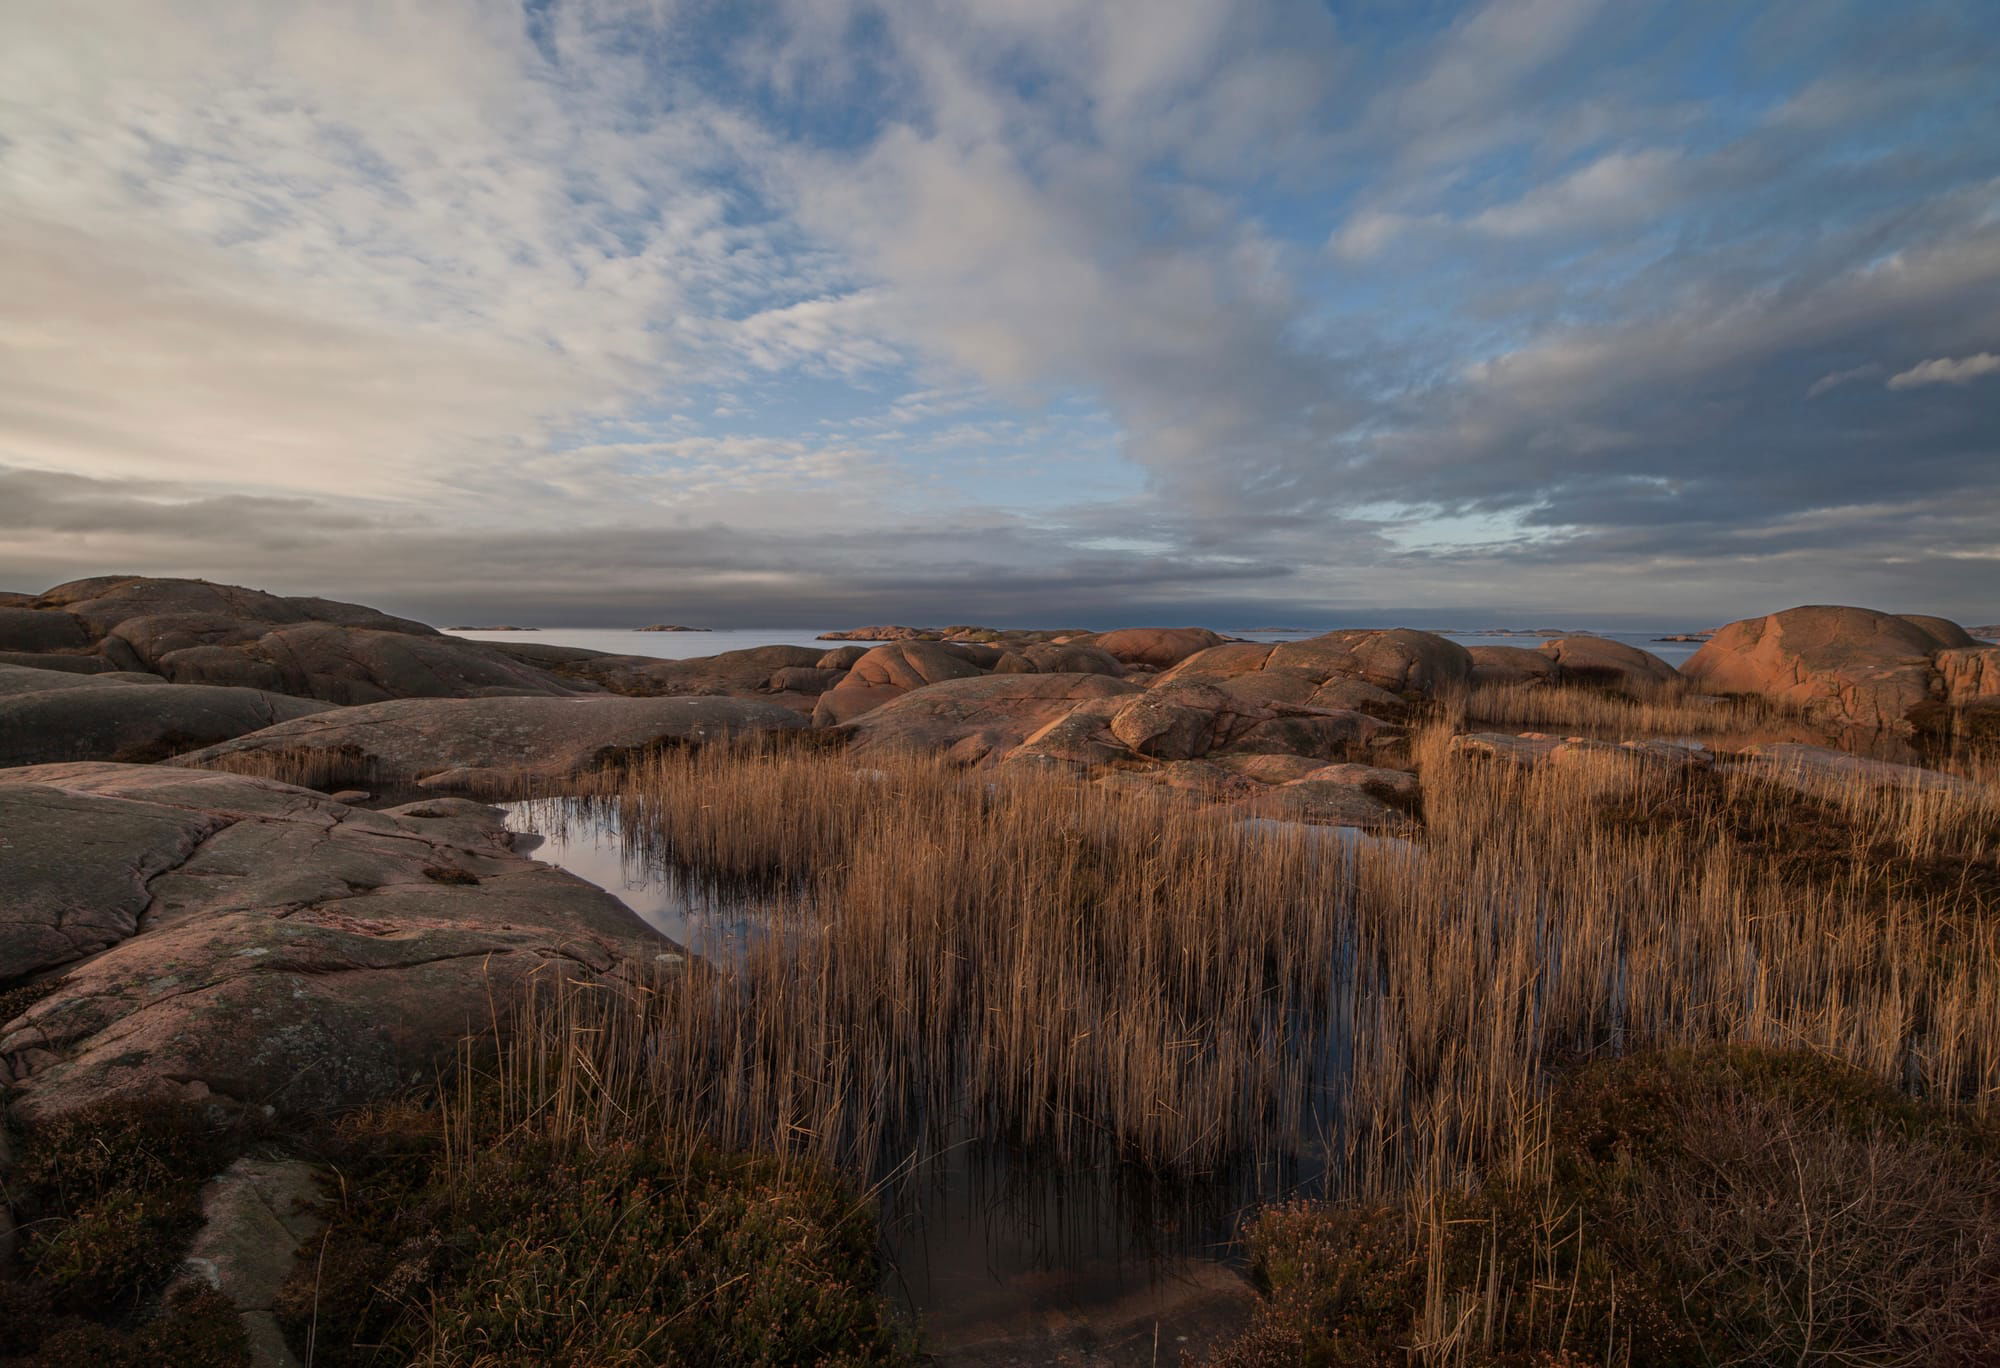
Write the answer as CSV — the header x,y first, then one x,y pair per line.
x,y
685,645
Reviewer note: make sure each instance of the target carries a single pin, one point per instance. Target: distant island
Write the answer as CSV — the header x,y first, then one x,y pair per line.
x,y
1527,632
665,627
493,629
1989,633
1686,636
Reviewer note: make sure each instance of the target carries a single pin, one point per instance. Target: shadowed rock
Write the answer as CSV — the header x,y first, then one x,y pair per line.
x,y
1602,661
976,719
1514,665
95,720
411,738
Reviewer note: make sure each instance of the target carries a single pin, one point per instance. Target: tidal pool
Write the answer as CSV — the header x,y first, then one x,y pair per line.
x,y
983,1240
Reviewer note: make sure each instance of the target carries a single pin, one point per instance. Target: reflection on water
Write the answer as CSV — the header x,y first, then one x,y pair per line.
x,y
984,1237
705,916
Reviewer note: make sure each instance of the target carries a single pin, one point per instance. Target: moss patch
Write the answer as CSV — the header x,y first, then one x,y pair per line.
x,y
1717,1206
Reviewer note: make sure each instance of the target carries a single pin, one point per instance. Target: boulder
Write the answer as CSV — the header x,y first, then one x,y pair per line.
x,y
1947,634
1399,662
1158,647
1848,666
412,738
94,720
1157,726
1075,657
841,658
804,679
29,629
1607,663
1511,665
1969,676
887,673
973,720
260,945
1080,739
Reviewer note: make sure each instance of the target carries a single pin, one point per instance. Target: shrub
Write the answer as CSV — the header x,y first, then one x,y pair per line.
x,y
1724,1205
526,1246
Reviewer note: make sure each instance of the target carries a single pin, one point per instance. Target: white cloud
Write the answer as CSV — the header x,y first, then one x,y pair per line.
x,y
1946,371
1619,187
1835,379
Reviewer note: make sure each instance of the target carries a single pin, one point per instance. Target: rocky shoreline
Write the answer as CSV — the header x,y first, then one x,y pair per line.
x,y
198,907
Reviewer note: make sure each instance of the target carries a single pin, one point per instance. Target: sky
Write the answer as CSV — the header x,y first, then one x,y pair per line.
x,y
594,312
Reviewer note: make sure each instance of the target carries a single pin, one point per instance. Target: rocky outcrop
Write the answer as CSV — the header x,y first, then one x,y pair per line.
x,y
887,673
1532,749
1609,664
1511,665
881,634
1399,662
976,719
256,1214
1847,666
194,632
100,717
1156,647
525,738
1947,634
258,944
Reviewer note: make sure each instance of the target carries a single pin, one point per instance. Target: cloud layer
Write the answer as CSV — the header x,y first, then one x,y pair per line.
x,y
1046,309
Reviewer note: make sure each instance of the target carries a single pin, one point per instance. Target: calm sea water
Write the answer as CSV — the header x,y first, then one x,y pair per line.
x,y
683,645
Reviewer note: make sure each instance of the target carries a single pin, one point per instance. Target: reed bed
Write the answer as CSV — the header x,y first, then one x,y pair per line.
x,y
1670,710
1042,962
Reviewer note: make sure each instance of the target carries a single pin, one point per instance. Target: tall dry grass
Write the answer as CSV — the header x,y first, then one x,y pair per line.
x,y
1097,976
1039,961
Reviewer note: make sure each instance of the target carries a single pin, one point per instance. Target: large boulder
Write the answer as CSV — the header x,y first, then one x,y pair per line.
x,y
1947,634
973,720
414,738
95,720
1156,647
240,941
1398,661
1849,666
887,673
1607,663
1511,665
